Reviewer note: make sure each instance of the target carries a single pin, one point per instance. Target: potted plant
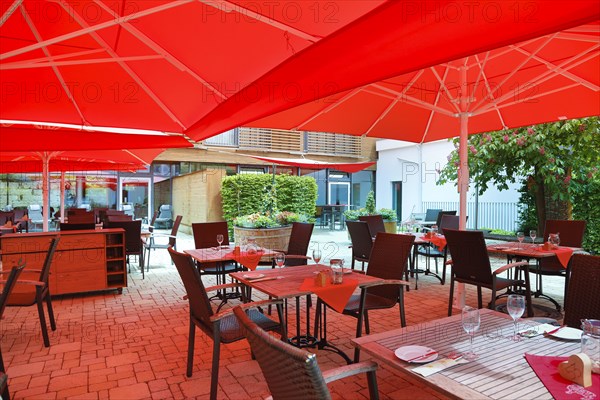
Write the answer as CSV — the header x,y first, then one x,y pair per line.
x,y
388,215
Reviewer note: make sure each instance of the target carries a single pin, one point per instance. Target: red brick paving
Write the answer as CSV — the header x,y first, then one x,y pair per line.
x,y
134,345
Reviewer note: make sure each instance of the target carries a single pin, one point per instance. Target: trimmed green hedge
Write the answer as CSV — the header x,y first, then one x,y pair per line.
x,y
247,194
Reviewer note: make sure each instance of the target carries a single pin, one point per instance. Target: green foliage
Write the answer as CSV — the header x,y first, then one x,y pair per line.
x,y
387,214
370,203
268,220
559,160
243,195
527,219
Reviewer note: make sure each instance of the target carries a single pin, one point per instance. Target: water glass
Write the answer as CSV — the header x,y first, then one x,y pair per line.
x,y
520,237
590,342
533,235
337,271
470,323
220,239
316,255
434,230
280,259
515,305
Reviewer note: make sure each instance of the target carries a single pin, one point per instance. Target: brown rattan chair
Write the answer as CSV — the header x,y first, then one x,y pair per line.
x,y
292,373
388,260
298,245
72,226
133,239
9,284
471,265
362,242
429,250
571,234
41,293
150,243
222,327
583,299
375,223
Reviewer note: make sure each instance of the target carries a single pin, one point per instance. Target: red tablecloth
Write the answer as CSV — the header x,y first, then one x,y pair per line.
x,y
546,368
437,240
336,296
562,253
249,260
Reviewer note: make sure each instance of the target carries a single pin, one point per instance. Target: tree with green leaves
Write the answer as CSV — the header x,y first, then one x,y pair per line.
x,y
557,162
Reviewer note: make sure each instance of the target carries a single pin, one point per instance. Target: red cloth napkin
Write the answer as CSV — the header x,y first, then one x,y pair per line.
x,y
546,368
437,240
336,296
562,253
248,260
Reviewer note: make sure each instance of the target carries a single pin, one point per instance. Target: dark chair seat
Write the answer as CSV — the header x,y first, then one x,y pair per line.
x,y
22,299
231,331
372,302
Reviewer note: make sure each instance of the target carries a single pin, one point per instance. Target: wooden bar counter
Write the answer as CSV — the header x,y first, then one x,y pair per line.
x,y
85,260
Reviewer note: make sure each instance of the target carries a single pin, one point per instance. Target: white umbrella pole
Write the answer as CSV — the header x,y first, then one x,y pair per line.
x,y
45,191
62,196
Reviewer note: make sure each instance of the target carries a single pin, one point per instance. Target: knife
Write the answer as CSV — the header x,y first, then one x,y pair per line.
x,y
432,352
268,278
555,330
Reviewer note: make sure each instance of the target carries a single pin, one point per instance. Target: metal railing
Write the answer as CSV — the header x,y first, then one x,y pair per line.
x,y
490,215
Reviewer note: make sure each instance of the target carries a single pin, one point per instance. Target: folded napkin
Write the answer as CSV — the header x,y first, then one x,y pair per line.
x,y
546,368
249,260
438,365
336,296
562,253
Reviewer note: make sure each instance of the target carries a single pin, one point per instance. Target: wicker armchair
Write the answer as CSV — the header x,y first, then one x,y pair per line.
x,y
292,373
298,245
429,250
584,287
38,294
151,243
221,327
9,284
362,242
375,223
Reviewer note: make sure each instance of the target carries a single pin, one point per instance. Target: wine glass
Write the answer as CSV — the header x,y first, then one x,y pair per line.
x,y
316,255
520,237
515,307
220,239
470,323
280,259
533,235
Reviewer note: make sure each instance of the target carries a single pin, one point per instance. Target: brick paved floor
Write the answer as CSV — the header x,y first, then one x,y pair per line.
x,y
133,345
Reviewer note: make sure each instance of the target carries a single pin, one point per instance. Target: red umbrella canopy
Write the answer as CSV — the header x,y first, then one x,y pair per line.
x,y
549,78
399,38
315,164
151,64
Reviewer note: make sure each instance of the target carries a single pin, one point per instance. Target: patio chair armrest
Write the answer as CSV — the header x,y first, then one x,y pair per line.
x,y
385,282
28,282
510,266
25,270
158,234
223,286
349,370
244,306
449,262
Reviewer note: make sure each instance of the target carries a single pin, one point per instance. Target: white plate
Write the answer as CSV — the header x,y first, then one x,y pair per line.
x,y
253,276
568,333
406,353
501,248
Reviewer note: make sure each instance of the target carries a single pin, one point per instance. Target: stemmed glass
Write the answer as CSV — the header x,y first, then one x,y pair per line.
x,y
280,259
220,239
515,307
316,255
520,237
470,323
533,235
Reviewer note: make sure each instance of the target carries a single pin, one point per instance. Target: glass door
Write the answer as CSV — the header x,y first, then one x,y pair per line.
x,y
136,193
339,193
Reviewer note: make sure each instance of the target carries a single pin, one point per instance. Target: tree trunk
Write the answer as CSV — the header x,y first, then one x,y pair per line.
x,y
540,206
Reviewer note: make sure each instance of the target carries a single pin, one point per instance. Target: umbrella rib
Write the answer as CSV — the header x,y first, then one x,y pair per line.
x,y
33,61
97,27
432,113
484,78
142,37
20,65
443,87
77,18
226,6
51,61
9,11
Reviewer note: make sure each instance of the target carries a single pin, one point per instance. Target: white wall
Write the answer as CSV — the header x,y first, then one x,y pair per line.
x,y
416,167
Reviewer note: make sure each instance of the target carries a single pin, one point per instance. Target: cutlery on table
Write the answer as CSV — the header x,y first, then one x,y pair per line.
x,y
430,353
555,330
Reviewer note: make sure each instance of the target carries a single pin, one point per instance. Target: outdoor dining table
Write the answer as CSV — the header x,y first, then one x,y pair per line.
x,y
500,371
424,239
290,282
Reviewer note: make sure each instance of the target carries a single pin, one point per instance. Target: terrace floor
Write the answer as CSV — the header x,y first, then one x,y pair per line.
x,y
134,345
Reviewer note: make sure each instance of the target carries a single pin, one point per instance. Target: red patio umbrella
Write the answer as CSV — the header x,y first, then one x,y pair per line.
x,y
316,164
553,77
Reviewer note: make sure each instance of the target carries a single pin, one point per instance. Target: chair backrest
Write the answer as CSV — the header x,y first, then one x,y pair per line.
x,y
6,216
584,287
449,222
431,214
118,217
375,223
441,215
388,260
360,236
300,238
571,231
76,211
165,212
290,372
174,230
200,307
470,259
205,234
68,226
45,272
133,234
9,285
82,217
34,212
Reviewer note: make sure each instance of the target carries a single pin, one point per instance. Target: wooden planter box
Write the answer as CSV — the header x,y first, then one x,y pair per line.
x,y
269,238
391,226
